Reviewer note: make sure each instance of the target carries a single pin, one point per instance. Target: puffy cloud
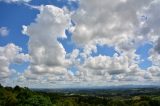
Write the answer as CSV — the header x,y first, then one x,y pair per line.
x,y
20,58
4,31
154,57
101,64
123,25
106,68
155,73
48,55
114,22
157,46
152,18
8,55
150,26
74,54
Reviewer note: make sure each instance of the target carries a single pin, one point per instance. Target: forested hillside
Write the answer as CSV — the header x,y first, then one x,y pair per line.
x,y
19,96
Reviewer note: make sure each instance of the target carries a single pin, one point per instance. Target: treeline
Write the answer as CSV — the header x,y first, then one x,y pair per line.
x,y
19,96
22,97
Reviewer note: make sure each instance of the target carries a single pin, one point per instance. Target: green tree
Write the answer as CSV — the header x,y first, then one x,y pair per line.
x,y
10,98
142,103
38,100
116,103
155,101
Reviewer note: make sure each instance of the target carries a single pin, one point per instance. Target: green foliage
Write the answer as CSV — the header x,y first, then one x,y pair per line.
x,y
37,100
155,101
19,96
116,103
22,97
142,103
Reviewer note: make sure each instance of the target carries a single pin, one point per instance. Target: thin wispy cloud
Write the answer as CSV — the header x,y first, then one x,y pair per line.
x,y
15,1
4,31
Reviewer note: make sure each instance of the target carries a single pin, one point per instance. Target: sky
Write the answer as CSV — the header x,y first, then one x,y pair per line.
x,y
79,43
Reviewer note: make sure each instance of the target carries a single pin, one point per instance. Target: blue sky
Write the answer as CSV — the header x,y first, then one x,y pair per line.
x,y
80,47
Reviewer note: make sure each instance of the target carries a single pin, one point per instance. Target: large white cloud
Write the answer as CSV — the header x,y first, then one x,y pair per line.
x,y
114,22
48,55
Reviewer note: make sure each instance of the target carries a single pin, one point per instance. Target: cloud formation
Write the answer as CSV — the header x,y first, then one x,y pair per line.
x,y
4,31
15,1
113,22
124,25
10,54
47,54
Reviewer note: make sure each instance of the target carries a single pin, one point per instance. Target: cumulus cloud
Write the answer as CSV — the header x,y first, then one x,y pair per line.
x,y
123,25
157,46
151,29
4,31
114,21
10,54
102,64
110,69
47,54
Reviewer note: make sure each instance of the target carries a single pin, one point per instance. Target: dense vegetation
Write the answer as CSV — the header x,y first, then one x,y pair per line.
x,y
25,97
